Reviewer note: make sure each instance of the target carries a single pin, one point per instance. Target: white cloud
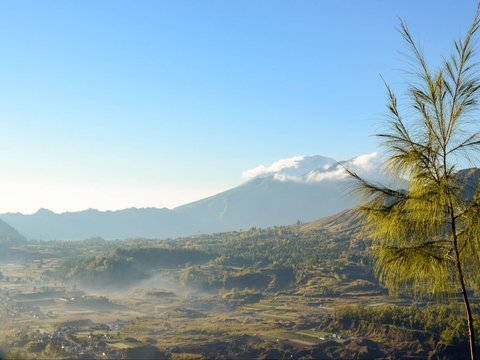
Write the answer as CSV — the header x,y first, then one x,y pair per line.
x,y
365,162
362,164
365,165
284,177
336,174
279,165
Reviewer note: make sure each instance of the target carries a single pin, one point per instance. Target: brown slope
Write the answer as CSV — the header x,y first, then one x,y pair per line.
x,y
348,222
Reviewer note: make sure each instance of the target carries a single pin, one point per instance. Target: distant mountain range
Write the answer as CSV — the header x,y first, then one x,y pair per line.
x,y
303,188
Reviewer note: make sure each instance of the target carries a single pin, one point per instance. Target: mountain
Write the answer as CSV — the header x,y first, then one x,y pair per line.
x,y
302,188
267,201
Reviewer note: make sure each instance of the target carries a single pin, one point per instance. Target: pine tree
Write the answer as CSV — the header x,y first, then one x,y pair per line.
x,y
427,235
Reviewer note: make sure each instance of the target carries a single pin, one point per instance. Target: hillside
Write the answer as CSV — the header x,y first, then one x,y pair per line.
x,y
265,202
9,235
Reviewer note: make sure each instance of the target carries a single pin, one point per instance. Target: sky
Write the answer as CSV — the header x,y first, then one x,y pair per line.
x,y
116,104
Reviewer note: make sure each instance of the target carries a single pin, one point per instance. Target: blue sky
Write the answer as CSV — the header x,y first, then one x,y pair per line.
x,y
112,104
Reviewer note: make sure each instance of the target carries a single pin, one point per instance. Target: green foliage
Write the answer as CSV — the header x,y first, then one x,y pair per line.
x,y
275,258
446,320
127,265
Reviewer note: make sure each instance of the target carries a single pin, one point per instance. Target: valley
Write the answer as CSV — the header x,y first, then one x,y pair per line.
x,y
300,291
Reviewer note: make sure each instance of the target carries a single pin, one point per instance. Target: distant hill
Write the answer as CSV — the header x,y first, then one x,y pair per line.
x,y
127,223
8,235
10,239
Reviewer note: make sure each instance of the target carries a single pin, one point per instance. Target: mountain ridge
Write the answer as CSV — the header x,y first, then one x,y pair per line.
x,y
279,194
219,213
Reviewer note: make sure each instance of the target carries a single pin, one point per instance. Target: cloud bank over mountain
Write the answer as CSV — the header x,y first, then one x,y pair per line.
x,y
367,166
315,169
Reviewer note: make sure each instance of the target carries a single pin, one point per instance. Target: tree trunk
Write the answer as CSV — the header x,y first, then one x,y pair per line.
x,y
468,310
